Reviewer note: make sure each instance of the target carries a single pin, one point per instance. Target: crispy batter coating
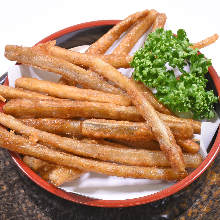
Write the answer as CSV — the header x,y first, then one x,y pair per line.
x,y
135,33
103,43
21,145
70,92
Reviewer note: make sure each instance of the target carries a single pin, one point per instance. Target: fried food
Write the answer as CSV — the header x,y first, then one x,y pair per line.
x,y
20,145
64,81
196,125
151,98
59,126
205,42
103,43
189,145
55,174
118,61
162,132
70,92
120,155
135,33
59,175
36,58
159,21
126,132
27,108
14,93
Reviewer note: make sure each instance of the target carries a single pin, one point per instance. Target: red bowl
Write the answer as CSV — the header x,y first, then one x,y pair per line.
x,y
128,202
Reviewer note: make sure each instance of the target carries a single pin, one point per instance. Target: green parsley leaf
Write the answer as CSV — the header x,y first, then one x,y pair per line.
x,y
186,93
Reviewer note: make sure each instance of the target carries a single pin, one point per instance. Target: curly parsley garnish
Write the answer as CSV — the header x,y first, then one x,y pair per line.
x,y
154,65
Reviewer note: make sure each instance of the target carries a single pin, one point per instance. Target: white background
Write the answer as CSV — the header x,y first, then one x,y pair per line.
x,y
26,22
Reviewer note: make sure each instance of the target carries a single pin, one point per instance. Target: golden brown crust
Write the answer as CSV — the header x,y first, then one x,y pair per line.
x,y
135,33
103,43
20,145
70,92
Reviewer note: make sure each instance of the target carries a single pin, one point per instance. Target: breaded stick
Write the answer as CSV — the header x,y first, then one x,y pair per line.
x,y
126,132
205,42
14,93
23,108
103,43
27,108
135,33
151,98
55,174
196,125
58,126
102,128
159,21
17,143
70,92
118,61
64,81
189,145
121,155
59,175
79,59
162,132
36,58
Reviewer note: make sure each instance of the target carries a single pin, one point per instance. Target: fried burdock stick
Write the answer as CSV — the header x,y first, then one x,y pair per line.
x,y
159,21
70,92
135,33
103,43
66,109
27,108
24,108
36,58
64,81
151,98
14,93
118,61
128,156
102,128
205,42
160,130
55,174
115,130
79,59
17,143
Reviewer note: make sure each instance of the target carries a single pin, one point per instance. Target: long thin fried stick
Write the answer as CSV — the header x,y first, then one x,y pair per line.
x,y
58,126
27,108
13,93
55,174
135,33
115,130
64,81
159,21
151,98
161,132
102,128
205,42
103,43
70,92
118,61
59,175
102,152
24,108
79,59
36,58
17,143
